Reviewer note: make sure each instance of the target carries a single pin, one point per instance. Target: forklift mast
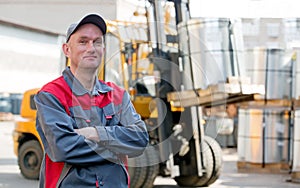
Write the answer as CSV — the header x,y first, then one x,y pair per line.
x,y
179,132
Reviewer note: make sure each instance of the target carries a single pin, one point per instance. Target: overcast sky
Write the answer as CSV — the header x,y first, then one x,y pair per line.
x,y
246,8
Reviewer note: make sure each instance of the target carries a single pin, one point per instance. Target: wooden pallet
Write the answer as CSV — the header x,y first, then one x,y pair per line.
x,y
295,177
279,167
218,94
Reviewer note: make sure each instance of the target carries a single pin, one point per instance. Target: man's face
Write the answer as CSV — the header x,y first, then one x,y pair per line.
x,y
85,47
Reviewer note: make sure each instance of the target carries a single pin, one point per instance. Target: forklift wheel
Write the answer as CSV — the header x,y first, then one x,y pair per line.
x,y
30,158
152,167
217,156
137,171
199,181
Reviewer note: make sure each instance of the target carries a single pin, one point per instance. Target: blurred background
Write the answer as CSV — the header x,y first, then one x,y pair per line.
x,y
251,45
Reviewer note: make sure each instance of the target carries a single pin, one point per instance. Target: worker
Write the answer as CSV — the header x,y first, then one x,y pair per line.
x,y
88,127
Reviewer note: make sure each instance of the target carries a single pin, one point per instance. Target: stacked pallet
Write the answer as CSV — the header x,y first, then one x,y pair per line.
x,y
233,91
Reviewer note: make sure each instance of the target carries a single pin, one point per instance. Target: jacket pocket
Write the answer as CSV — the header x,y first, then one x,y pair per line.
x,y
110,115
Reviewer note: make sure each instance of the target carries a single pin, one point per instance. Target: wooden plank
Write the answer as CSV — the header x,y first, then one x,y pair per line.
x,y
181,95
232,99
278,167
215,100
296,103
205,100
261,103
217,88
295,177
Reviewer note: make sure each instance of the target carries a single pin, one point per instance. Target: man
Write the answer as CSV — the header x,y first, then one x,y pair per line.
x,y
87,126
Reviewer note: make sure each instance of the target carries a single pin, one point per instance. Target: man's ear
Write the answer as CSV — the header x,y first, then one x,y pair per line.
x,y
66,49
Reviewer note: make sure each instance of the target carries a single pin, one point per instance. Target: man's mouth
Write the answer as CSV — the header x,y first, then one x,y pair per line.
x,y
90,57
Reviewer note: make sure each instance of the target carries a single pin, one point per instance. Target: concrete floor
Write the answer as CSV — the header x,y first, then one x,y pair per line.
x,y
10,176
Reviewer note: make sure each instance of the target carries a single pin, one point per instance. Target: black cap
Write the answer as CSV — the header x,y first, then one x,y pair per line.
x,y
90,18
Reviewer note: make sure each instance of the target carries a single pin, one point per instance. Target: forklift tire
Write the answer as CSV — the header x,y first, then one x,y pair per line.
x,y
217,156
137,170
152,167
197,181
30,157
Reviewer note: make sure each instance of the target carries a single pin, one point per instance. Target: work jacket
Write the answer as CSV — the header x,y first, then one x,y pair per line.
x,y
70,159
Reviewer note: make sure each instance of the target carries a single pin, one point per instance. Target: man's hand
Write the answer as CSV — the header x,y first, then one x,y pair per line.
x,y
89,133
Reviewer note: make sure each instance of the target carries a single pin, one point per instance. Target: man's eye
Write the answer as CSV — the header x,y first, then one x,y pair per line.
x,y
82,42
98,43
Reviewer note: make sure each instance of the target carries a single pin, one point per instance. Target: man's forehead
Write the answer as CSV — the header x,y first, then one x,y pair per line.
x,y
88,31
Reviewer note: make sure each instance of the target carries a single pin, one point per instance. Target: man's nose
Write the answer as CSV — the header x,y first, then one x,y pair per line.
x,y
91,46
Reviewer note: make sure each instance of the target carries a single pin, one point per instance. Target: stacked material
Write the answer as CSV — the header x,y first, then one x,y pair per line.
x,y
233,91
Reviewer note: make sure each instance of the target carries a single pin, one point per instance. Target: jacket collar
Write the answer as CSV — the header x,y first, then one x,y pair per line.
x,y
78,89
